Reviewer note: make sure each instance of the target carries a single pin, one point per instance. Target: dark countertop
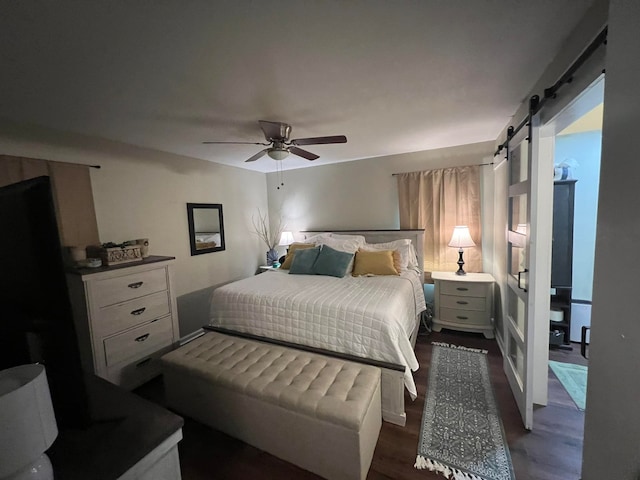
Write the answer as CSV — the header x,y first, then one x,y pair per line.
x,y
124,428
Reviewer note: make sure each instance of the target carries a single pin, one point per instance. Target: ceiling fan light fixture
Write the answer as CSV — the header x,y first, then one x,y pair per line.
x,y
278,153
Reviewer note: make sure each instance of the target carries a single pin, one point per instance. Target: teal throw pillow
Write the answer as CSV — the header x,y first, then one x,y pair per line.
x,y
332,262
303,261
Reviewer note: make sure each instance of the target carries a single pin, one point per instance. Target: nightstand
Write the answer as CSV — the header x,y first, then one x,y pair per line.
x,y
463,302
266,268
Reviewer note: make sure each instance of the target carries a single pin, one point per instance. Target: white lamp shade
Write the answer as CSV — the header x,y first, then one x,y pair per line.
x,y
286,238
461,237
27,422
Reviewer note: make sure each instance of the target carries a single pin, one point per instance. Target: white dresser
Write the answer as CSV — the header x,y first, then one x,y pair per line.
x,y
125,318
463,302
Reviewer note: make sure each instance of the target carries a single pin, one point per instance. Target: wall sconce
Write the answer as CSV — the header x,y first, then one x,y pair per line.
x,y
461,238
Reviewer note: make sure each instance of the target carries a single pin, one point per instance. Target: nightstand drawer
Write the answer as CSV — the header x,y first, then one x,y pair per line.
x,y
465,317
138,342
463,303
129,314
466,289
119,289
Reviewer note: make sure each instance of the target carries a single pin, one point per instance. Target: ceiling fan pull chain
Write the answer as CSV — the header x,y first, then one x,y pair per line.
x,y
279,175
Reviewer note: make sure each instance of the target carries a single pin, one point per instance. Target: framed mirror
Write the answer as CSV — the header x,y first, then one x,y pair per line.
x,y
206,228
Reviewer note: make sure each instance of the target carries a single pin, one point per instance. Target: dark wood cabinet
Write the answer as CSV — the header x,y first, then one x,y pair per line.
x,y
562,254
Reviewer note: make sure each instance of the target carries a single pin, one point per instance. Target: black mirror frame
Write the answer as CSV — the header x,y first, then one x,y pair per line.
x,y
192,232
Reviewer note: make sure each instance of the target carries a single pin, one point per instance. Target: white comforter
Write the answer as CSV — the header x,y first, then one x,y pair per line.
x,y
370,317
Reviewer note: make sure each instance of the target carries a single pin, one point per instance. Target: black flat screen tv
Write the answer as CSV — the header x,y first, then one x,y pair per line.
x,y
36,323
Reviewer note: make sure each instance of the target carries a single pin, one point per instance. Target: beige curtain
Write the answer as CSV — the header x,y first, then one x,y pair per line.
x,y
438,200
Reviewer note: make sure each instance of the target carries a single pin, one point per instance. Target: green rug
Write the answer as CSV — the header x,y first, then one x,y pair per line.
x,y
574,379
461,435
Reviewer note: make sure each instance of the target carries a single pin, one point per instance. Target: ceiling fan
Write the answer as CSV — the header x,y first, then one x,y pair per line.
x,y
279,146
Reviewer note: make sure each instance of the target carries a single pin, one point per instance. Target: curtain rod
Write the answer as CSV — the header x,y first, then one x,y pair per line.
x,y
535,104
460,166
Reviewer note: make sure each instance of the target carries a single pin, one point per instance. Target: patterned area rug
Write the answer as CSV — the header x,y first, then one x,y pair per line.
x,y
461,435
574,380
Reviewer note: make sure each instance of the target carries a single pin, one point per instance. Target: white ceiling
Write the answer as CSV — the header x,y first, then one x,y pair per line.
x,y
393,76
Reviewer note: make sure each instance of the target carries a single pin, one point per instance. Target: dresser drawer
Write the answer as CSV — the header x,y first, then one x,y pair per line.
x,y
138,342
463,303
466,289
120,289
465,317
136,373
122,316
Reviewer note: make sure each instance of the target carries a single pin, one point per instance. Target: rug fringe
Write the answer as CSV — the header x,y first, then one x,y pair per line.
x,y
423,463
459,347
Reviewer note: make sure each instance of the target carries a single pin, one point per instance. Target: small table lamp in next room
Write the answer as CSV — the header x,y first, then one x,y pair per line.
x,y
461,238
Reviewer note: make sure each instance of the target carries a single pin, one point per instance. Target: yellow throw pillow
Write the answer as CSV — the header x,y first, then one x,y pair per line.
x,y
292,250
374,263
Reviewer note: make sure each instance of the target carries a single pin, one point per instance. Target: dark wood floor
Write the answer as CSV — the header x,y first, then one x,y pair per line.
x,y
552,451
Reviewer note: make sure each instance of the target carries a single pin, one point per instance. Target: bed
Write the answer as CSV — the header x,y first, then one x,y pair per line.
x,y
371,319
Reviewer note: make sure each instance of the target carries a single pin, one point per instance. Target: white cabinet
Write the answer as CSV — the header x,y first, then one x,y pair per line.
x,y
463,302
125,318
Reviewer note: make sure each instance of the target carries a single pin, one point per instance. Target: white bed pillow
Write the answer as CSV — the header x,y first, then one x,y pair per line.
x,y
359,238
349,245
404,248
315,239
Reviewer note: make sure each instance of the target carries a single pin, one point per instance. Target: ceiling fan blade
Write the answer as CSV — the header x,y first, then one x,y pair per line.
x,y
237,143
303,153
319,140
257,155
275,130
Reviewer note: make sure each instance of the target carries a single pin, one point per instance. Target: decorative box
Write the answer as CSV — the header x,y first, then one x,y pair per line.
x,y
117,255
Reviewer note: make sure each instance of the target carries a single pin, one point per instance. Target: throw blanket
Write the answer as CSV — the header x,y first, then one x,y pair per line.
x,y
369,317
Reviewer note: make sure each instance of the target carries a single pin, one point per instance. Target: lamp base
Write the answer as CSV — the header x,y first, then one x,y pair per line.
x,y
460,264
40,469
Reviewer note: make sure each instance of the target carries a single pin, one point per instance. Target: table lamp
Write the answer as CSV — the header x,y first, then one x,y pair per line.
x,y
286,239
461,238
27,423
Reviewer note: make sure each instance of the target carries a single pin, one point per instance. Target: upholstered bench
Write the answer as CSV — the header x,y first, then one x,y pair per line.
x,y
320,413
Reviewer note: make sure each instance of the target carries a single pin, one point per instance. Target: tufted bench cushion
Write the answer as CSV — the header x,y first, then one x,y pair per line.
x,y
318,412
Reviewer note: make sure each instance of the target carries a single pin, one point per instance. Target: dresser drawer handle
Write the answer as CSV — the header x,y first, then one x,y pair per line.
x,y
461,317
139,311
135,285
461,302
142,338
143,362
462,289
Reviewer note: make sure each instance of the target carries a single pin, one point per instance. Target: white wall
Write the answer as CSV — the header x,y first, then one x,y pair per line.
x,y
612,422
140,193
363,194
584,148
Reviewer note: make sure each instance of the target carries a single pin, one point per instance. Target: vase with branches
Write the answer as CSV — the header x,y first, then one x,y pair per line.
x,y
270,236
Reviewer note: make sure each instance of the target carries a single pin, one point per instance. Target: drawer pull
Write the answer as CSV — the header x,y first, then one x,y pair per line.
x,y
135,285
139,311
143,362
461,317
142,338
462,302
462,289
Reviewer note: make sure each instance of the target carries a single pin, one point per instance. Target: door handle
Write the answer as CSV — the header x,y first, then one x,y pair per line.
x,y
526,270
